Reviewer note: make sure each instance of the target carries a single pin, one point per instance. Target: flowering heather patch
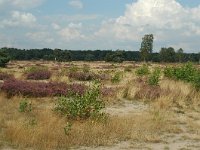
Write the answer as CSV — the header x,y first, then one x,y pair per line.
x,y
87,76
148,92
37,89
4,76
105,91
39,75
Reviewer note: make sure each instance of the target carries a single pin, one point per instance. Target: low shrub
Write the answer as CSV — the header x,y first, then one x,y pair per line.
x,y
116,77
81,106
154,77
187,73
147,92
5,76
86,76
86,68
141,71
37,73
107,91
14,87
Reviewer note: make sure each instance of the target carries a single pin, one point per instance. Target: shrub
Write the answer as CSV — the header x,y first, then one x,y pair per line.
x,y
37,89
147,92
35,69
86,76
86,68
169,72
154,77
24,106
81,106
37,73
144,70
187,73
117,77
5,76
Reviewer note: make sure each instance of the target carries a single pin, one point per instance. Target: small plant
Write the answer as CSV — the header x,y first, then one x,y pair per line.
x,y
116,78
81,107
67,128
86,68
142,71
25,106
154,77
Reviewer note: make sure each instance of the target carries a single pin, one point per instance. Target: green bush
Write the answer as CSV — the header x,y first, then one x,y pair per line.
x,y
25,106
187,73
169,72
154,77
116,78
144,70
81,107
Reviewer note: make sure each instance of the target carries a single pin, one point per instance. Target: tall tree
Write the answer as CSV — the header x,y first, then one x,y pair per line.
x,y
180,54
146,46
4,58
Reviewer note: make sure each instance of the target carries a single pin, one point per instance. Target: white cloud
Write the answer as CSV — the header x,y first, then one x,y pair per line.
x,y
76,4
72,32
40,37
19,19
167,19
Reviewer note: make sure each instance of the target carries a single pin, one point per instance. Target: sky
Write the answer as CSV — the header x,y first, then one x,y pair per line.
x,y
99,24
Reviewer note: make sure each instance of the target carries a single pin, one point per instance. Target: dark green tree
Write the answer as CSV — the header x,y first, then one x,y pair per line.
x,y
146,46
167,54
117,56
180,54
4,58
62,55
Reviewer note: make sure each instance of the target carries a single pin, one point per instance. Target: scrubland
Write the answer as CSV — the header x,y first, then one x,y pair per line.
x,y
98,105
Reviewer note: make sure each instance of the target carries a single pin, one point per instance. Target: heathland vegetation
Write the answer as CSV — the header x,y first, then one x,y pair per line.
x,y
54,102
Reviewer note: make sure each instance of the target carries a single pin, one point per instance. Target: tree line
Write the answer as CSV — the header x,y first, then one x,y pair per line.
x,y
165,55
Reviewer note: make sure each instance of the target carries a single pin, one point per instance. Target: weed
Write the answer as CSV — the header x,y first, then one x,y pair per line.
x,y
25,106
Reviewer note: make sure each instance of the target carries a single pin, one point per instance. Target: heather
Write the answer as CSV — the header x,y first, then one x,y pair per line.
x,y
14,87
4,76
37,73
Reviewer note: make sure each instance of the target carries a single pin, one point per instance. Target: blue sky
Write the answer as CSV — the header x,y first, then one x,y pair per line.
x,y
99,24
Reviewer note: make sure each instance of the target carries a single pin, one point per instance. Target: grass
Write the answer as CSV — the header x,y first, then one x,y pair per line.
x,y
47,129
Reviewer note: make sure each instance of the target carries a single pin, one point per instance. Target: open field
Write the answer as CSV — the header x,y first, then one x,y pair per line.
x,y
132,113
